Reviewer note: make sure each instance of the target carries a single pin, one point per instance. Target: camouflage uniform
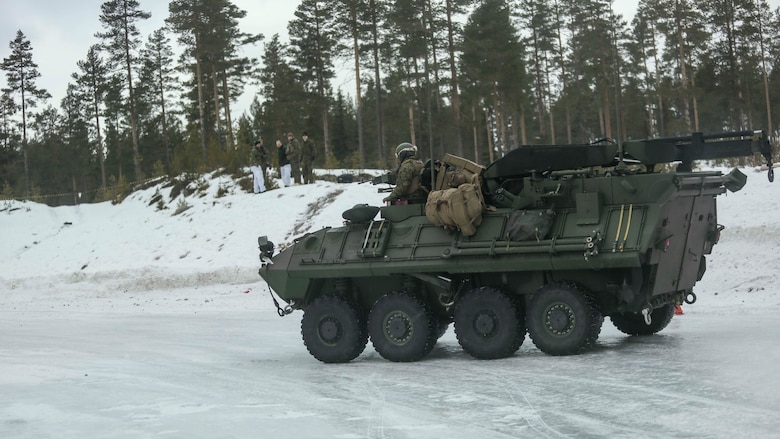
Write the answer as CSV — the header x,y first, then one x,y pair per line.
x,y
407,181
293,150
258,157
307,158
258,161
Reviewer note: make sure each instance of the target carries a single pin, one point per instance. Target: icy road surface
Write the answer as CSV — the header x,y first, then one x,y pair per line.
x,y
215,374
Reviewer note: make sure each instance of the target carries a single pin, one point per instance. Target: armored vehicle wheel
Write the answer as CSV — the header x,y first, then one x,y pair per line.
x,y
562,320
488,324
333,330
402,328
634,323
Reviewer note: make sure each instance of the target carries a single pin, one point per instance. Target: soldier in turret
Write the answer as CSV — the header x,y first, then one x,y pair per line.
x,y
407,181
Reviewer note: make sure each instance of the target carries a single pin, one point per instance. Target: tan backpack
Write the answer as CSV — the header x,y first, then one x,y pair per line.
x,y
457,204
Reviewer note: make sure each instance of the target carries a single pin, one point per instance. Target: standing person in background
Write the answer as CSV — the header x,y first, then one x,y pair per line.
x,y
258,161
284,163
308,153
293,151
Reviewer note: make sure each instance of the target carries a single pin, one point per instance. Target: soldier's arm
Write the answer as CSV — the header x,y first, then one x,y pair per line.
x,y
403,181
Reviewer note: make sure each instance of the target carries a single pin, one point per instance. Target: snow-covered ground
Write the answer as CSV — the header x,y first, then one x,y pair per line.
x,y
126,321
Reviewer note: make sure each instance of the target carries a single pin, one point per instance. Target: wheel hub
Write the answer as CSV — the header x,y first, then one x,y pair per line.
x,y
329,330
560,319
398,328
485,324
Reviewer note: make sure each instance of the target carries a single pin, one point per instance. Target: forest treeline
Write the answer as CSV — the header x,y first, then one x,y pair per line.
x,y
472,78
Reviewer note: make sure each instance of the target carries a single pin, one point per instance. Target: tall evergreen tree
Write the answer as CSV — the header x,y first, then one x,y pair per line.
x,y
351,23
283,93
121,38
594,29
208,31
314,41
537,17
21,73
493,63
407,32
159,70
453,8
376,11
728,21
187,19
93,80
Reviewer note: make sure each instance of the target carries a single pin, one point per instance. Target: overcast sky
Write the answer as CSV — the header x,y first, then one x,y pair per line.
x,y
61,32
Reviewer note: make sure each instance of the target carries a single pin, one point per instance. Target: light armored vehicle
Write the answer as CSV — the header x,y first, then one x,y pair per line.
x,y
545,241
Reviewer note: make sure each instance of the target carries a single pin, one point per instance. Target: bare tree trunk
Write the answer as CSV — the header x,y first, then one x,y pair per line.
x,y
24,146
489,135
217,110
201,103
454,81
380,140
166,142
550,101
321,89
101,155
133,113
766,81
523,130
539,88
358,98
429,88
228,119
563,74
412,134
661,123
601,122
648,101
683,62
605,96
695,103
474,132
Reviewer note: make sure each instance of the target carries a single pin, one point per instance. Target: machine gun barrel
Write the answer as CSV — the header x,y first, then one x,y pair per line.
x,y
528,159
699,146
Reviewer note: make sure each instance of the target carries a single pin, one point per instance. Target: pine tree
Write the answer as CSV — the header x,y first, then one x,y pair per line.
x,y
350,22
93,80
208,31
283,93
159,71
314,41
493,64
455,7
119,18
21,74
537,17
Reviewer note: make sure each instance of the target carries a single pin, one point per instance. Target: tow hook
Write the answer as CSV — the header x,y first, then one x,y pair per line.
x,y
646,314
279,310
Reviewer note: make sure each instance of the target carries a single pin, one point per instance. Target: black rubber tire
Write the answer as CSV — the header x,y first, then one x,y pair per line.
x,y
489,324
563,320
402,328
634,323
333,330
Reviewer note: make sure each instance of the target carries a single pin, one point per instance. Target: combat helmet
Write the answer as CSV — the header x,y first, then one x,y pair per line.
x,y
405,149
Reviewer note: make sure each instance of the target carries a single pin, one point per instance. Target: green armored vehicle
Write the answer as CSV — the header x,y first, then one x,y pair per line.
x,y
546,241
